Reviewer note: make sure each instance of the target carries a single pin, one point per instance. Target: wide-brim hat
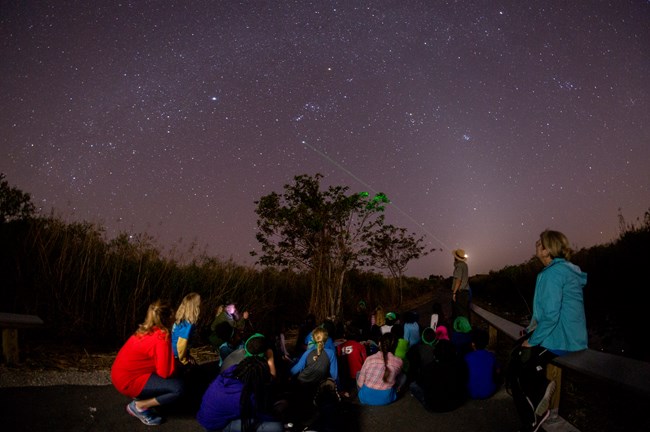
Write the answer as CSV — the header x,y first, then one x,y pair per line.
x,y
459,254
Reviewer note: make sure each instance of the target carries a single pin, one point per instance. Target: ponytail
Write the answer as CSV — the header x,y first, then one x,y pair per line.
x,y
159,315
387,345
319,336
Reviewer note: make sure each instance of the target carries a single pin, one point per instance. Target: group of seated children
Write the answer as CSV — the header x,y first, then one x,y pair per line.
x,y
261,387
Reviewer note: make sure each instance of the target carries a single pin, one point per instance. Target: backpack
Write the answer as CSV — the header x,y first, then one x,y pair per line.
x,y
317,368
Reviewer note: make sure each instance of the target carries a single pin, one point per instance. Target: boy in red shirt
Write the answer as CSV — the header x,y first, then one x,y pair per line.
x,y
351,355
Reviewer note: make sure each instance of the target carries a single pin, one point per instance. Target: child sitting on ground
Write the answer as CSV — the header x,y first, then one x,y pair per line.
x,y
351,355
381,375
484,371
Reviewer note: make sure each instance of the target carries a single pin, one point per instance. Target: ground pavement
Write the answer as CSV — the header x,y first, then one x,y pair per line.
x,y
101,408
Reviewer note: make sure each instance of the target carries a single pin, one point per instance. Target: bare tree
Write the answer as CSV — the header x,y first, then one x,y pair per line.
x,y
393,248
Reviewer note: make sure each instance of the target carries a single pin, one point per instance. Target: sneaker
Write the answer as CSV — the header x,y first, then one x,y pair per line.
x,y
147,416
541,419
545,403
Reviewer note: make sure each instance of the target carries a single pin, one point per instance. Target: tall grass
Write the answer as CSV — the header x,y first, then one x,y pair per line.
x,y
89,288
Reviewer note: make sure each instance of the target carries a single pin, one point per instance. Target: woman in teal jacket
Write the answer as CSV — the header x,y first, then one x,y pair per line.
x,y
558,327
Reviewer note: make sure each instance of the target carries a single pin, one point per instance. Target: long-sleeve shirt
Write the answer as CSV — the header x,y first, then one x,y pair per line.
x,y
352,354
141,356
181,335
221,402
482,368
372,371
558,321
412,333
331,355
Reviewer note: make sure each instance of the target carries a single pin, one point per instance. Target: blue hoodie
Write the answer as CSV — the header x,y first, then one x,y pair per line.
x,y
558,321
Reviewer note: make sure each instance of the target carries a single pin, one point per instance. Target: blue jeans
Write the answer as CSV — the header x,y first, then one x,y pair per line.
x,y
165,390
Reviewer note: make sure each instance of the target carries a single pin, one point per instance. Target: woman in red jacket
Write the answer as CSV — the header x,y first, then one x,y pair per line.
x,y
144,366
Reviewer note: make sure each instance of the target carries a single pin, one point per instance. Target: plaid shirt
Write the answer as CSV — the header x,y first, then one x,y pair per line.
x,y
372,372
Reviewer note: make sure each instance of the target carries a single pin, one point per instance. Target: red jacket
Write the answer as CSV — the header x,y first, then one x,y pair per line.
x,y
141,356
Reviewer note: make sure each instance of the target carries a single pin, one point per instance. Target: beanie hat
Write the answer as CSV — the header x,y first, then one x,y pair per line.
x,y
441,333
462,325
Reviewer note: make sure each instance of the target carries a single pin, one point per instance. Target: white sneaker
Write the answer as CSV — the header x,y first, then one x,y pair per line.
x,y
541,419
545,403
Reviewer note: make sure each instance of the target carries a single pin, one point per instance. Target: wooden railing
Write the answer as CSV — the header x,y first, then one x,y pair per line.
x,y
596,391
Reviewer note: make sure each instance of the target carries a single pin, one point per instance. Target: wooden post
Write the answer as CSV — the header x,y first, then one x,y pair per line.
x,y
554,373
493,332
10,323
10,346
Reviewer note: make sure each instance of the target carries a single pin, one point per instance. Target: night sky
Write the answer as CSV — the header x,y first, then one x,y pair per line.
x,y
483,122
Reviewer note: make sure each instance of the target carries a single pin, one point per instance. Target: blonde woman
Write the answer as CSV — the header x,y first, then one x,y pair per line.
x,y
144,366
558,327
318,362
186,317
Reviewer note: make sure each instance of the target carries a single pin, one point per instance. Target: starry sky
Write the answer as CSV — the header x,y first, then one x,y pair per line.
x,y
484,122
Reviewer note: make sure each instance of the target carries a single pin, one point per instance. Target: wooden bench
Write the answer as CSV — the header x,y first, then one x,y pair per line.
x,y
10,323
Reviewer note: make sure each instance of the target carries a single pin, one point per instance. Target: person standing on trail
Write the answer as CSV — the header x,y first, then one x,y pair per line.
x,y
460,290
558,327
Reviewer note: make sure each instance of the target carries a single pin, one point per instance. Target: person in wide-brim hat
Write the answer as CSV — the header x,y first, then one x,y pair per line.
x,y
460,286
459,254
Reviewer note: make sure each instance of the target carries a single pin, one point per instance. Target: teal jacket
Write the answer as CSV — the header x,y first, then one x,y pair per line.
x,y
558,321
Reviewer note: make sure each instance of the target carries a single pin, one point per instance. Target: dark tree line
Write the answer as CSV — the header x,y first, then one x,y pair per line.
x,y
14,203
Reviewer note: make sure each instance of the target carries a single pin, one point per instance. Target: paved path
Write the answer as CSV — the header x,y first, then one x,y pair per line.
x,y
101,408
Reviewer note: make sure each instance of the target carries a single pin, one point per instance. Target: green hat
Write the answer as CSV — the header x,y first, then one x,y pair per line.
x,y
391,316
461,325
